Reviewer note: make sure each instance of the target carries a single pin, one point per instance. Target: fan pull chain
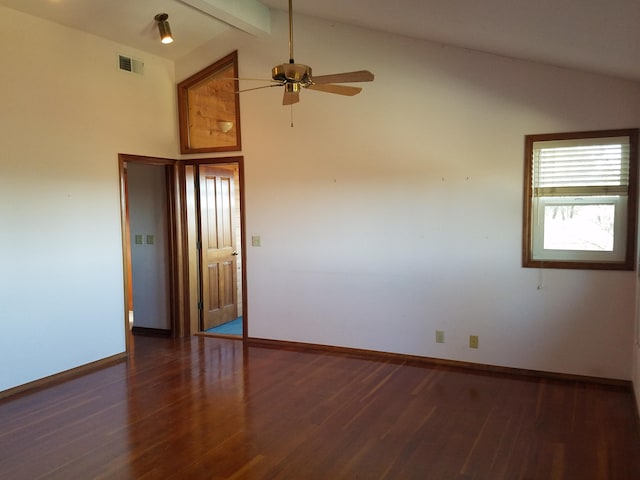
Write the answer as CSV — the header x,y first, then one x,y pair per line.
x,y
291,116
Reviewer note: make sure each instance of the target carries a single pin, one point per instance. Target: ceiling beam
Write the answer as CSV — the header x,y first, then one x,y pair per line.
x,y
250,16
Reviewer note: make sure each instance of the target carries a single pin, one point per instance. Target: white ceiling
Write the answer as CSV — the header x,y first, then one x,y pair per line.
x,y
594,35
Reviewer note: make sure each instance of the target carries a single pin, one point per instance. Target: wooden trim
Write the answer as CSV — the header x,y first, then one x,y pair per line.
x,y
151,332
239,159
126,157
184,122
426,361
54,379
526,204
170,179
183,272
126,249
243,242
632,207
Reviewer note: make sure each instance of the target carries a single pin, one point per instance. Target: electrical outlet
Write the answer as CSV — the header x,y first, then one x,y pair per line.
x,y
473,341
439,336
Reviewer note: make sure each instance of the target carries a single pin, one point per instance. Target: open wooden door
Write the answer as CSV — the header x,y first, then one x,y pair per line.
x,y
218,246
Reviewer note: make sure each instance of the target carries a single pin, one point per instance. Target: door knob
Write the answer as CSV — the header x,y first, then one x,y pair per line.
x,y
234,253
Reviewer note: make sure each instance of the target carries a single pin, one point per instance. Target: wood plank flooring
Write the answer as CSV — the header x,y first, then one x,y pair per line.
x,y
207,408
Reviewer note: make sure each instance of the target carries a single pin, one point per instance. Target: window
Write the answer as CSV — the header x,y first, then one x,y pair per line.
x,y
580,200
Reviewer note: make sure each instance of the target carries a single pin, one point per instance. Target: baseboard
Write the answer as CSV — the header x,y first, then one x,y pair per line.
x,y
64,376
418,360
150,332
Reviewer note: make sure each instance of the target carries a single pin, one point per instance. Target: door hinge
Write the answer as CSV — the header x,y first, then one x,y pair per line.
x,y
198,245
200,306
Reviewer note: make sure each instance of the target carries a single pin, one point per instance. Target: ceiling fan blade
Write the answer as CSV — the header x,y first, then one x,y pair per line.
x,y
290,97
249,79
339,89
259,88
346,77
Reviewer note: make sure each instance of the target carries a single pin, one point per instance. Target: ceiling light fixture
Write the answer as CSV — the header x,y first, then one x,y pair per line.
x,y
164,28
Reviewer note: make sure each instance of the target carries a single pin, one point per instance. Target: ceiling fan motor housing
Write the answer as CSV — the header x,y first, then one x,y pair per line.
x,y
292,73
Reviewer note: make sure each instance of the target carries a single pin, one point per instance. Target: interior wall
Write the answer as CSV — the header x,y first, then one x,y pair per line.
x,y
67,111
148,213
398,212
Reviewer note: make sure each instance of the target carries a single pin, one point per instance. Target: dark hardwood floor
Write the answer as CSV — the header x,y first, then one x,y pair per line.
x,y
205,408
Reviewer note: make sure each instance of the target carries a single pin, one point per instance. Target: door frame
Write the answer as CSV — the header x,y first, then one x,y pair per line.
x,y
188,263
172,177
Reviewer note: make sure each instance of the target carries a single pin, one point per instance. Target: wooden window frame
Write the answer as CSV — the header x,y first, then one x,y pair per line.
x,y
628,263
189,118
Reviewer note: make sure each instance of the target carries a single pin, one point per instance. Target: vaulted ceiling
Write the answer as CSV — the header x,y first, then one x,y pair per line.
x,y
593,35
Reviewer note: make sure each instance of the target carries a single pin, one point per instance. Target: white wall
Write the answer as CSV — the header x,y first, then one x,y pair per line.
x,y
147,193
66,112
397,212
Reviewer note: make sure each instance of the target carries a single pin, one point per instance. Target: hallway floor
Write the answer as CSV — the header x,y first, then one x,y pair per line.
x,y
234,327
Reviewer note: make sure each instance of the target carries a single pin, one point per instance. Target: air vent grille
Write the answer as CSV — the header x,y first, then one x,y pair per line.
x,y
129,64
125,63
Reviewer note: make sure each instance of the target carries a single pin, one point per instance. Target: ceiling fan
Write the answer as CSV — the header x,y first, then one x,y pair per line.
x,y
296,76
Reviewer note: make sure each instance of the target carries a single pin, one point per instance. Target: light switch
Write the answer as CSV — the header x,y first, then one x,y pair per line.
x,y
255,241
149,239
138,239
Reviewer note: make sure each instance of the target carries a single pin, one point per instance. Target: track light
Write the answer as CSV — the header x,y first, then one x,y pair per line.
x,y
163,27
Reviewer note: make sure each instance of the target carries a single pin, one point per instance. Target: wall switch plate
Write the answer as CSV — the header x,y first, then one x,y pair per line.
x,y
439,336
473,341
150,239
255,241
138,239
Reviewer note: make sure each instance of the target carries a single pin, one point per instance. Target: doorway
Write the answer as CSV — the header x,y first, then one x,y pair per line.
x,y
215,227
149,245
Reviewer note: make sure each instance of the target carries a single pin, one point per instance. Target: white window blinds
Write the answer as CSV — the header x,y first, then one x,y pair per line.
x,y
596,166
